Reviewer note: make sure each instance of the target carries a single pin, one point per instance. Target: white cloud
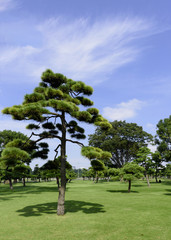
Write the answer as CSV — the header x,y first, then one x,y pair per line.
x,y
6,5
79,49
12,54
124,110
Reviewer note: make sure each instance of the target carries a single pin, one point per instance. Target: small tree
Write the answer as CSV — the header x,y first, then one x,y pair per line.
x,y
144,158
98,166
157,164
7,136
54,166
131,171
11,158
70,175
84,173
37,172
21,171
97,158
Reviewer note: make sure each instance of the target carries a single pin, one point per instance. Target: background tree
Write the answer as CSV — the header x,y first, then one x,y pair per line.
x,y
84,173
50,105
123,141
70,175
7,136
11,158
37,172
157,164
168,170
163,138
21,171
131,171
54,166
144,159
97,158
98,166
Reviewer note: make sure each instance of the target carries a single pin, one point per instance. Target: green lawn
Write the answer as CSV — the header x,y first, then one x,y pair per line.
x,y
93,211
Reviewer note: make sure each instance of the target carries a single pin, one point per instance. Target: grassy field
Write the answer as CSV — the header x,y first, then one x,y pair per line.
x,y
100,211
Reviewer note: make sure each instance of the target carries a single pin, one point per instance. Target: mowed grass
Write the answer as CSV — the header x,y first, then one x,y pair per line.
x,y
100,211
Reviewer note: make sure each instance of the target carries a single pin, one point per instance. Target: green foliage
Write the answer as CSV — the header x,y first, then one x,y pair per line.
x,y
123,141
12,155
32,126
131,171
93,111
163,138
34,97
168,170
164,129
97,165
70,175
48,125
53,79
95,153
144,158
8,136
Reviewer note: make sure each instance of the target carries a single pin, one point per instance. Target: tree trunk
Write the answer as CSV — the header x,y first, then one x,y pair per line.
x,y
156,177
97,179
148,181
129,185
61,197
57,181
24,182
10,183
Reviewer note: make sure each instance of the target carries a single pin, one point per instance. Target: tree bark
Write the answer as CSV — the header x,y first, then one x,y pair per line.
x,y
148,181
156,177
24,182
129,185
61,197
10,183
57,182
97,178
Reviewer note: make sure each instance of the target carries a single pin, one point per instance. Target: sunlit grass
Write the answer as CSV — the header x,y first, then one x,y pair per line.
x,y
93,211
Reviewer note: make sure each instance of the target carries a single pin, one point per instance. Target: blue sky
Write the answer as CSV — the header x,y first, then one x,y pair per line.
x,y
121,48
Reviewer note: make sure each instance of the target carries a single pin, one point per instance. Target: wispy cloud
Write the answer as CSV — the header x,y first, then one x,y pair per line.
x,y
6,5
79,49
124,110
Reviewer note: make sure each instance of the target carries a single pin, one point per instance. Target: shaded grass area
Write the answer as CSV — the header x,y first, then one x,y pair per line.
x,y
100,211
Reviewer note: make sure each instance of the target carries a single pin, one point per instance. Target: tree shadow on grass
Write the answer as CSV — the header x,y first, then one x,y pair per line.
x,y
29,190
2,198
70,206
166,182
163,182
121,191
169,192
137,185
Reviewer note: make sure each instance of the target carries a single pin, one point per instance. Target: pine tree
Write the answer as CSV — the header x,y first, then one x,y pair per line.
x,y
50,105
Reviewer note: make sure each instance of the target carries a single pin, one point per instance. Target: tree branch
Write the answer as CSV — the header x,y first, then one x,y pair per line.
x,y
41,138
79,143
56,150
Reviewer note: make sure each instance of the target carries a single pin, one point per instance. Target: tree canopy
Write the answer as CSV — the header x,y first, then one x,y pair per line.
x,y
7,136
163,138
123,141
